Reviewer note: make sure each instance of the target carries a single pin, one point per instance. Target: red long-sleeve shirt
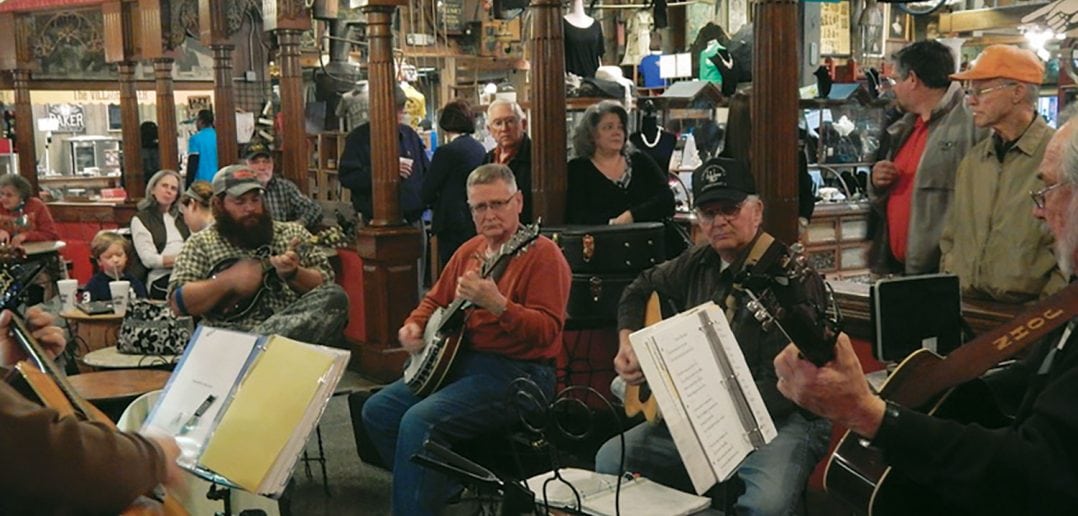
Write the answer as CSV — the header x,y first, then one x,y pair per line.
x,y
536,284
40,226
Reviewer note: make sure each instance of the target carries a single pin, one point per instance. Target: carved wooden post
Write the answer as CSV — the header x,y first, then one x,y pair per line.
x,y
15,56
24,127
294,139
214,32
134,180
388,247
157,35
774,114
166,114
547,125
121,47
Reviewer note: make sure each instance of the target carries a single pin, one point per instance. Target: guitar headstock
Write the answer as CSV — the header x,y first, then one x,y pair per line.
x,y
332,236
794,298
15,275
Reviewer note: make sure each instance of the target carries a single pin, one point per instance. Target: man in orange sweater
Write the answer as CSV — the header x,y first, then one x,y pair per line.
x,y
514,330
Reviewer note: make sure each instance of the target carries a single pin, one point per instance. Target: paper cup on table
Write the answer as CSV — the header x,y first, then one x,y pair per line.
x,y
121,291
67,290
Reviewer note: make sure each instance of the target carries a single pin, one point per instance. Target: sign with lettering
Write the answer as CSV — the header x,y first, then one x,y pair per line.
x,y
451,12
71,117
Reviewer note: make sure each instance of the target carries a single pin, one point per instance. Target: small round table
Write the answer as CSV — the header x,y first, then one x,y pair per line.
x,y
111,358
92,332
120,384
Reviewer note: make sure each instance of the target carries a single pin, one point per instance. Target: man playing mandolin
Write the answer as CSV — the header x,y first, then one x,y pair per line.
x,y
729,214
250,273
1027,467
55,465
514,330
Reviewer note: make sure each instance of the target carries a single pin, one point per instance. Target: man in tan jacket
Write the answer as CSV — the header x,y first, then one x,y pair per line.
x,y
989,241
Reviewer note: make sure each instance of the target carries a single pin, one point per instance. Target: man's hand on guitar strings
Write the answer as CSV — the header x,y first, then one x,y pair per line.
x,y
287,263
837,390
243,278
411,337
482,292
625,362
41,328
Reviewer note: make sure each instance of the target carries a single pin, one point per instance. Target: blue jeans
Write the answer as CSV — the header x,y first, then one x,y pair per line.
x,y
470,404
774,476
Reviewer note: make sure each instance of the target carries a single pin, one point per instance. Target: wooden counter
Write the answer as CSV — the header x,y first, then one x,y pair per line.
x,y
93,212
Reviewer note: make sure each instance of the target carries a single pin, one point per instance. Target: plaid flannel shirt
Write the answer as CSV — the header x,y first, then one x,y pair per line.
x,y
205,249
286,203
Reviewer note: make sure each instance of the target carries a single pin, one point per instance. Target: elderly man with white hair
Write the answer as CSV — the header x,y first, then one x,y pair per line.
x,y
1027,467
507,125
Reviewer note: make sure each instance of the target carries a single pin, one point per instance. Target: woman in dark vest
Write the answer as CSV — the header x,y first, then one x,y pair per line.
x,y
158,230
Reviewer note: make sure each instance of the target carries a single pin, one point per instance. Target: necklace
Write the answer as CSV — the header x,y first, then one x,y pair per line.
x,y
658,136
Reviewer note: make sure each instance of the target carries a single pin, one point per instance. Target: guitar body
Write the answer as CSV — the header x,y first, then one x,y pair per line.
x,y
638,398
426,370
860,475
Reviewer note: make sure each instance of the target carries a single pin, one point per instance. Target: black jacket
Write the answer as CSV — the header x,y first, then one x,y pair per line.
x,y
591,198
445,186
355,171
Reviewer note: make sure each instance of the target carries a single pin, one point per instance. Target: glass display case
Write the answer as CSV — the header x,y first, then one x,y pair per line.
x,y
93,156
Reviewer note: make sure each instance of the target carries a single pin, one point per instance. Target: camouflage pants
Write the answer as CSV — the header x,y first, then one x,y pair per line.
x,y
318,317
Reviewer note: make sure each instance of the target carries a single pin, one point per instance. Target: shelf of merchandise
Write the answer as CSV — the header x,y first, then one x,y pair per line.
x,y
324,154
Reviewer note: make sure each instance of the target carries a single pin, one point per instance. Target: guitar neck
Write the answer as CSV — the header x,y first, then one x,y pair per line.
x,y
38,355
972,359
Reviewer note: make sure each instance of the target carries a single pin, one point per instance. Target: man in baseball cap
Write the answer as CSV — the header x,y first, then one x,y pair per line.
x,y
283,199
729,215
287,288
989,240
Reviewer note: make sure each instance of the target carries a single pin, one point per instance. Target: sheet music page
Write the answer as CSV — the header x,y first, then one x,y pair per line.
x,y
209,369
674,416
695,399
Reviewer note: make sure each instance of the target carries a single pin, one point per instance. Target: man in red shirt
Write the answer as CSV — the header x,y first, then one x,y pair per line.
x,y
513,330
912,189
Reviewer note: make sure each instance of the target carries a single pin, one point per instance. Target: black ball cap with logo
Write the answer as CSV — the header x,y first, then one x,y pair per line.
x,y
721,179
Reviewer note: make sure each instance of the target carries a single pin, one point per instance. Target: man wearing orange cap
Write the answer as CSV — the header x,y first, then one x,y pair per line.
x,y
988,240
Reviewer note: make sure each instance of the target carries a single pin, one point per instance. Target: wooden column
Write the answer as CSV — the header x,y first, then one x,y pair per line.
x,y
166,113
224,105
24,127
774,114
388,247
294,139
132,140
547,124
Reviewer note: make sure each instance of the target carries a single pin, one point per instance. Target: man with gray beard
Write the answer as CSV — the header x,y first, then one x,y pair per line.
x,y
1028,467
251,273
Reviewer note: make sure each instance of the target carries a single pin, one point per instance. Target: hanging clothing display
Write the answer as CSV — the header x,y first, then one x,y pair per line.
x,y
583,48
637,38
649,71
355,107
415,108
707,70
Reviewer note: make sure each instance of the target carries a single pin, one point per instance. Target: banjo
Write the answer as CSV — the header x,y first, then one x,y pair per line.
x,y
426,369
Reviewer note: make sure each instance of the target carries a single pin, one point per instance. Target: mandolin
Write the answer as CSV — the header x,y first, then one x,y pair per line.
x,y
50,384
237,307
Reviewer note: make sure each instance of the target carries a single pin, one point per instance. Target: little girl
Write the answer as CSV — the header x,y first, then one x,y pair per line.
x,y
108,253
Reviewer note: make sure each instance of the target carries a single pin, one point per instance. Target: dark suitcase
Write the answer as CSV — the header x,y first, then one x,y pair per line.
x,y
610,249
593,299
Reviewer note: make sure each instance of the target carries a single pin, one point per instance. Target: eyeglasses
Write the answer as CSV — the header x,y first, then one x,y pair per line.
x,y
980,92
888,82
726,211
501,123
1039,195
482,208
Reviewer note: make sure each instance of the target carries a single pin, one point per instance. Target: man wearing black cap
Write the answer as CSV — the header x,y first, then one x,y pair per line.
x,y
282,197
729,214
248,272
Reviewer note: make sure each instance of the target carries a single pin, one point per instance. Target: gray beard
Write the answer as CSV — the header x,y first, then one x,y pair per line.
x,y
1067,243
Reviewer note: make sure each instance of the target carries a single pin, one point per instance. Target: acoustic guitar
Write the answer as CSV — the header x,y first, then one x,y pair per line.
x,y
234,308
425,370
789,296
51,386
946,387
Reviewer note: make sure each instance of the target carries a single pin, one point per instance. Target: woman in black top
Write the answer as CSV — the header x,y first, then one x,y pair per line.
x,y
444,186
609,181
